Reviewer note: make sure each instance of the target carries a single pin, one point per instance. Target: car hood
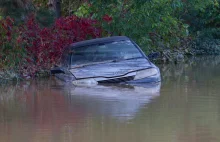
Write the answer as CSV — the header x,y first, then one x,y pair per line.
x,y
110,69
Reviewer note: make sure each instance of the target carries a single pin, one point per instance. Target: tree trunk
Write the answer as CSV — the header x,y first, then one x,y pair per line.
x,y
58,9
55,5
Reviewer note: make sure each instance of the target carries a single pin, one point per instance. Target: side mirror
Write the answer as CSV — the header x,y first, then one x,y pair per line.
x,y
56,70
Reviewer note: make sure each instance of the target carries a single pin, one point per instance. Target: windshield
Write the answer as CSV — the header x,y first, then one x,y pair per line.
x,y
120,50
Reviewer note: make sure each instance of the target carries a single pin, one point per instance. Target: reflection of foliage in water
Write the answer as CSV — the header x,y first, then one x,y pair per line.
x,y
191,69
13,97
37,103
9,106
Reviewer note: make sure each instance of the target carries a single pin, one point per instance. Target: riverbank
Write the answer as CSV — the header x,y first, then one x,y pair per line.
x,y
167,69
35,50
194,49
204,46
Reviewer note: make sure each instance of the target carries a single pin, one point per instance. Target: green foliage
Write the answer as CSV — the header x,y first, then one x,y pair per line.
x,y
83,10
12,52
201,14
69,7
17,9
206,46
40,3
45,17
150,23
211,33
207,42
204,20
157,25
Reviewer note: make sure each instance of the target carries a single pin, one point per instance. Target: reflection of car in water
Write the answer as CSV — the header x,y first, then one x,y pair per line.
x,y
106,60
121,101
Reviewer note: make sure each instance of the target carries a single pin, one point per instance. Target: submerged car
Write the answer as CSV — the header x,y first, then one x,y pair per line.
x,y
115,59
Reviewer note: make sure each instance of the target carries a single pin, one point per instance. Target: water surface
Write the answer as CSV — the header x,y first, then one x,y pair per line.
x,y
185,107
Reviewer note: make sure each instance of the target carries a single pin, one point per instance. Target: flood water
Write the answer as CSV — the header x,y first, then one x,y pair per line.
x,y
185,107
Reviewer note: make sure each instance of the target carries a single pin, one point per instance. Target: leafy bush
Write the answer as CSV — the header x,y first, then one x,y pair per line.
x,y
11,51
206,46
201,14
29,49
156,25
151,24
211,33
45,17
16,9
45,45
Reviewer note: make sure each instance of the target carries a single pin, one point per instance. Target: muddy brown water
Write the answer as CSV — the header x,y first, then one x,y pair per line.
x,y
185,107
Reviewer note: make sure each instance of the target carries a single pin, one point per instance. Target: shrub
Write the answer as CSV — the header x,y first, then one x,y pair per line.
x,y
156,25
206,46
12,53
33,49
11,50
211,33
151,24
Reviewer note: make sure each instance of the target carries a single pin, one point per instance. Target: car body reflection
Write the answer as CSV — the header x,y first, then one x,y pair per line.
x,y
122,101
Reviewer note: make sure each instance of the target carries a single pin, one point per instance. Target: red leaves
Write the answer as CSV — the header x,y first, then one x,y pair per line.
x,y
107,18
45,45
6,25
42,47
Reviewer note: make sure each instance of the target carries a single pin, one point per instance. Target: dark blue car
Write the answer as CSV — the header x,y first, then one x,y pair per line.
x,y
115,59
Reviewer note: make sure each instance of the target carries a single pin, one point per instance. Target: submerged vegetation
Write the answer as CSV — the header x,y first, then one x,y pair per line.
x,y
34,33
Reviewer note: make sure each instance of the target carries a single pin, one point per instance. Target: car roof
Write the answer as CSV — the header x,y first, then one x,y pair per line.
x,y
98,41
